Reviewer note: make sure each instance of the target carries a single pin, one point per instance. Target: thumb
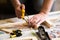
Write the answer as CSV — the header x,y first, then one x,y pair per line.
x,y
23,6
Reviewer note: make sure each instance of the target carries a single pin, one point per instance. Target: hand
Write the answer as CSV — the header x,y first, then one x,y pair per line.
x,y
37,19
18,10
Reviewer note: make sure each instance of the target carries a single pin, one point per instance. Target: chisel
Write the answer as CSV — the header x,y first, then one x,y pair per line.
x,y
23,14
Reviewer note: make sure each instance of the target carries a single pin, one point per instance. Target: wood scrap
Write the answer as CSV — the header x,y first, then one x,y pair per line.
x,y
56,39
23,38
7,30
48,23
13,25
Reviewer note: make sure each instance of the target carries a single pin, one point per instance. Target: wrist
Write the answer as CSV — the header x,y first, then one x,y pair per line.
x,y
43,13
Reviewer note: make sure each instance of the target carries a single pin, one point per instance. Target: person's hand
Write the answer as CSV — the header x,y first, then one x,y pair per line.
x,y
37,19
18,10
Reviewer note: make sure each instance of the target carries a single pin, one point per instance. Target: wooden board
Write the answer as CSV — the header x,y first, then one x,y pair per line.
x,y
15,22
23,38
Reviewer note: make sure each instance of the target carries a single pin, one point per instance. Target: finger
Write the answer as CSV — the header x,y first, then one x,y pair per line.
x,y
33,20
18,14
29,20
23,6
40,21
34,26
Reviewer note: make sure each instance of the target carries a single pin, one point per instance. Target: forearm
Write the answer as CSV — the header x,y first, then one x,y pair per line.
x,y
47,4
15,3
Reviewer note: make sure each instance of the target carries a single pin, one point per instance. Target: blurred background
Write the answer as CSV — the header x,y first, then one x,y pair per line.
x,y
6,8
57,5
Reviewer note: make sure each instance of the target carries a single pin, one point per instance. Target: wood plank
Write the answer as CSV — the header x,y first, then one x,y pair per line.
x,y
23,38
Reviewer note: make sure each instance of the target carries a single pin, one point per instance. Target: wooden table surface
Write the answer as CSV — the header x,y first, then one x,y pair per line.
x,y
14,21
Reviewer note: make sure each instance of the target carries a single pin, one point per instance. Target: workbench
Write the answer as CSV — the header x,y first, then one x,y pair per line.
x,y
15,22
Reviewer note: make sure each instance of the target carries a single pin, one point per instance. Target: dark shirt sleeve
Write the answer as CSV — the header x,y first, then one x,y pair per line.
x,y
33,6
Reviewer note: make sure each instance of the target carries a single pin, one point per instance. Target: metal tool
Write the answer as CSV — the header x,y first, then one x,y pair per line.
x,y
14,33
42,34
23,14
